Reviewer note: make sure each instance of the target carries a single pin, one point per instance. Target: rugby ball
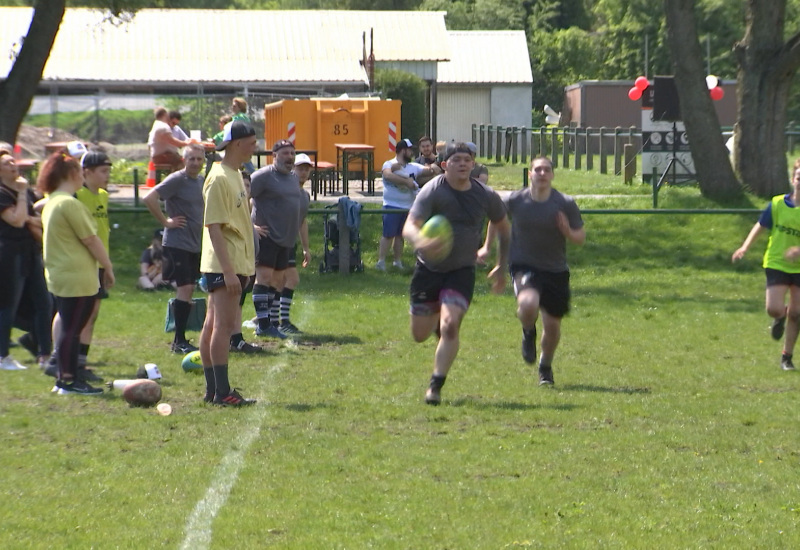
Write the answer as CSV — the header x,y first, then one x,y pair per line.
x,y
142,393
192,362
438,227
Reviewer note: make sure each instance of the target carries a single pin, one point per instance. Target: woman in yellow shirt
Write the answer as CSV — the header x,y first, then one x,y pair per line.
x,y
72,251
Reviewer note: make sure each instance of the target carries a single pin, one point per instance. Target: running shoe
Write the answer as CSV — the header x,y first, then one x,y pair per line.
x,y
244,347
78,387
183,348
233,399
288,328
272,332
546,376
9,363
778,326
529,345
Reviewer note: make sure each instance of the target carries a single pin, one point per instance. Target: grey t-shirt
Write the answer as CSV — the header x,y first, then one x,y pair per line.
x,y
183,196
278,204
535,238
466,211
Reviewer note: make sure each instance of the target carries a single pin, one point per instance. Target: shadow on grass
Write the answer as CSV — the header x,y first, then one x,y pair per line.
x,y
307,407
329,339
604,389
479,403
620,295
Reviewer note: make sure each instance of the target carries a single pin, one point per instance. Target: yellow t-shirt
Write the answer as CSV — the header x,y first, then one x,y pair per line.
x,y
98,208
69,267
226,203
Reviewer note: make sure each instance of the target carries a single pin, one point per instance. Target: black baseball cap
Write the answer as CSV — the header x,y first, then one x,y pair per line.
x,y
281,144
403,144
460,147
92,159
237,129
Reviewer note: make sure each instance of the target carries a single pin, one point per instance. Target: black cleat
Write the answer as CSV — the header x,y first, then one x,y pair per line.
x,y
233,399
778,326
529,345
546,376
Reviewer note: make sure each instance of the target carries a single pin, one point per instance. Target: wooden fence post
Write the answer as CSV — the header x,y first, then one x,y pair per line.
x,y
602,151
577,142
554,145
630,163
617,151
589,155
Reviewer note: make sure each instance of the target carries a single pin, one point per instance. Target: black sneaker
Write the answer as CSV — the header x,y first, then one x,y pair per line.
x,y
28,342
433,396
778,326
88,375
288,328
182,347
546,376
51,369
786,363
78,387
233,399
529,345
244,347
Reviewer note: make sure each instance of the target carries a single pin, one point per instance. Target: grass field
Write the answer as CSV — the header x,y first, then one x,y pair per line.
x,y
670,424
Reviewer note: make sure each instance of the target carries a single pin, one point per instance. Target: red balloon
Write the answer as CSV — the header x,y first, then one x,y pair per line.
x,y
635,94
716,93
641,83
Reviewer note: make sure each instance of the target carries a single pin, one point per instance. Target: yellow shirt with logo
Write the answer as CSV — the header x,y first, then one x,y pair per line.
x,y
227,204
69,267
97,204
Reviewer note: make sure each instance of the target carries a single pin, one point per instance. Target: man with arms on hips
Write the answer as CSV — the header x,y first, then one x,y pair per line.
x,y
542,221
163,145
441,291
399,189
286,282
182,193
226,259
278,206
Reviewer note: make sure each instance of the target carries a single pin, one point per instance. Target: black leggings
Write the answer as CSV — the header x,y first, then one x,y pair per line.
x,y
75,313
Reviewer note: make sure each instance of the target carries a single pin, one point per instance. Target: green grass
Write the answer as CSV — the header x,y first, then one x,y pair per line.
x,y
670,425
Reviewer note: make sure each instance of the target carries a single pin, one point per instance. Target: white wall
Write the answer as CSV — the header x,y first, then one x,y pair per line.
x,y
511,105
458,107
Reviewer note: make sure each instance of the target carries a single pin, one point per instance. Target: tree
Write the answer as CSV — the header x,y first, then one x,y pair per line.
x,y
19,87
714,172
766,66
411,90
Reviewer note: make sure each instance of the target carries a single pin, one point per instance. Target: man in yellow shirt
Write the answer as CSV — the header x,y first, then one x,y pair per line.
x,y
227,259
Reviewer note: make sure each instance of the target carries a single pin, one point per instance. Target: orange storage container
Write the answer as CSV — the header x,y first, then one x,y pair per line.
x,y
317,124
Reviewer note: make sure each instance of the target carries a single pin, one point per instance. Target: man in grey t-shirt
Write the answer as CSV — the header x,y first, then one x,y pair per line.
x,y
542,221
278,210
441,291
182,193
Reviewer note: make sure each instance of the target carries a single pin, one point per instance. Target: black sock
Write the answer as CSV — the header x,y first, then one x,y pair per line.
x,y
221,380
83,352
274,306
236,338
261,299
285,304
437,382
181,310
211,384
786,356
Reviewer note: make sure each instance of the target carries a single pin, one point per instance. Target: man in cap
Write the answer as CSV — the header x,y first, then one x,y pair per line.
x,y
441,289
226,259
182,193
399,189
278,207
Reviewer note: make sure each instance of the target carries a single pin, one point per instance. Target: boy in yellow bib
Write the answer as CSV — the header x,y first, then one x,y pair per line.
x,y
781,264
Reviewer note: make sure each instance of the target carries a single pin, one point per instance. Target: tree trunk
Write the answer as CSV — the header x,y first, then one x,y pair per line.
x,y
766,69
18,89
714,172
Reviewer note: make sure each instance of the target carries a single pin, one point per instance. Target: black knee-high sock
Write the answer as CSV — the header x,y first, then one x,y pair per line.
x,y
221,380
211,384
181,310
261,299
286,304
274,305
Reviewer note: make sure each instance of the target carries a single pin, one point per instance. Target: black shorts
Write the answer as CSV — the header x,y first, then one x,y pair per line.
x,y
430,289
271,254
553,287
776,277
216,281
292,257
180,266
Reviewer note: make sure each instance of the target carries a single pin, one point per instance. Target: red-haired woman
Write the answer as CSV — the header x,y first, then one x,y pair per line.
x,y
72,251
21,270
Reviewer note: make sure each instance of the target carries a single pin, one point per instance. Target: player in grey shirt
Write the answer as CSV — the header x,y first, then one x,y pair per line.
x,y
441,291
278,210
542,221
182,193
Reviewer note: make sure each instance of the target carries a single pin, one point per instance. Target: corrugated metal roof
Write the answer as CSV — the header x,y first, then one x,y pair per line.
x,y
229,45
486,57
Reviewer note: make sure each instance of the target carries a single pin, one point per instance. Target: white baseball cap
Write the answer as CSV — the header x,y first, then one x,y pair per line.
x,y
302,158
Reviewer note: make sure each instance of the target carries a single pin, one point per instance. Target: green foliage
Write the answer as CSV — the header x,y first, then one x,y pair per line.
x,y
411,90
480,14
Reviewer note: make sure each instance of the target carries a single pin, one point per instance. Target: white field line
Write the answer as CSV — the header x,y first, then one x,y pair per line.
x,y
198,529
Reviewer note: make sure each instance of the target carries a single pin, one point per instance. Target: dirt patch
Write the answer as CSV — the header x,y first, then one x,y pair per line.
x,y
32,140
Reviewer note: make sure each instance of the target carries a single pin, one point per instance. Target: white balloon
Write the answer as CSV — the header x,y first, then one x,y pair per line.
x,y
711,81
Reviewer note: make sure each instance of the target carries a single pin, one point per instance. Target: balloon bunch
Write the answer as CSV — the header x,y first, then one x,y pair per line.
x,y
639,86
714,89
